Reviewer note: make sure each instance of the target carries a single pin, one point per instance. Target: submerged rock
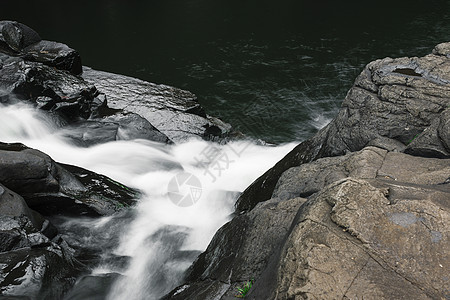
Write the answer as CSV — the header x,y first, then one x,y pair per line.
x,y
92,287
116,127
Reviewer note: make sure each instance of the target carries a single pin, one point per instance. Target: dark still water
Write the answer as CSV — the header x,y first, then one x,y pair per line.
x,y
278,70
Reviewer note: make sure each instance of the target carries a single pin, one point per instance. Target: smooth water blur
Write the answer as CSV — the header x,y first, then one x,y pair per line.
x,y
31,126
157,239
244,57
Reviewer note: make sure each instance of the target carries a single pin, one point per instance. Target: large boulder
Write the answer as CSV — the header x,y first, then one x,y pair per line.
x,y
50,188
174,112
372,218
356,240
394,103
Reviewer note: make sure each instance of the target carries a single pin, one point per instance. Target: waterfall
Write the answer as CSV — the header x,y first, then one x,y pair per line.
x,y
188,193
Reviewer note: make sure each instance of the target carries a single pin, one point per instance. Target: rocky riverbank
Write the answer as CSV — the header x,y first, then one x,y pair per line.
x,y
359,211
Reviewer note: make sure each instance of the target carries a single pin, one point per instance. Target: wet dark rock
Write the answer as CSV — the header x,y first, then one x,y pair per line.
x,y
49,88
54,54
20,226
101,187
113,128
17,39
50,188
174,112
15,36
45,272
36,263
28,171
17,232
74,100
385,103
13,205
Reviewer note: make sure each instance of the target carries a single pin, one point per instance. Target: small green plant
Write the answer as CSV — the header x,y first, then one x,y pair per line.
x,y
244,289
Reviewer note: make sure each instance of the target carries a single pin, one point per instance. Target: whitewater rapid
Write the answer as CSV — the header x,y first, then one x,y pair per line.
x,y
161,237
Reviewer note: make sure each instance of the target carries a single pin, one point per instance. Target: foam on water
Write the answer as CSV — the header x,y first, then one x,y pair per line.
x,y
160,238
21,122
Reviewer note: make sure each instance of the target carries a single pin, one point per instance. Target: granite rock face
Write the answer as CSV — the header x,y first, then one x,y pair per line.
x,y
359,211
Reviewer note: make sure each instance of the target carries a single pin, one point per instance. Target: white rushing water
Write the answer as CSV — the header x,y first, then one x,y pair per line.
x,y
164,235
